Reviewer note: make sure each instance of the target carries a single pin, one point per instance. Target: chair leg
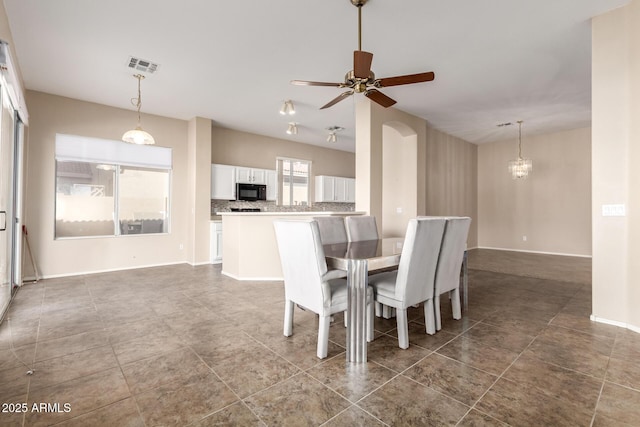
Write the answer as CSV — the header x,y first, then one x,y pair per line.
x,y
288,318
387,312
436,311
455,303
378,309
429,317
323,336
370,310
403,328
346,319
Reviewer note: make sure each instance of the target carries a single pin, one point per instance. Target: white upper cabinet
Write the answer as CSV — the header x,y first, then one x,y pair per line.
x,y
251,176
225,177
223,182
335,189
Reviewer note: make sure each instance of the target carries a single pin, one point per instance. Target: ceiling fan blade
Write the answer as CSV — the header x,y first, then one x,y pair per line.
x,y
306,83
337,99
379,97
405,80
362,63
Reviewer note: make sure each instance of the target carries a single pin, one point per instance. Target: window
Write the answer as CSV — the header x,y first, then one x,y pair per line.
x,y
293,182
107,188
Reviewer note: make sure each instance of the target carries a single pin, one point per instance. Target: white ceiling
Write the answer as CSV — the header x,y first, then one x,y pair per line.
x,y
495,60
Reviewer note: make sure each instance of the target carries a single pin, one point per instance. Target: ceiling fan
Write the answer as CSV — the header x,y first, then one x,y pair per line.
x,y
361,78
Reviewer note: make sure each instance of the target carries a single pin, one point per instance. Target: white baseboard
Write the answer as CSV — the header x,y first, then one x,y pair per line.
x,y
258,279
194,264
533,252
615,323
108,270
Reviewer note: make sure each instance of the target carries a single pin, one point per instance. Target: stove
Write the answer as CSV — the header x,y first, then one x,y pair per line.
x,y
245,210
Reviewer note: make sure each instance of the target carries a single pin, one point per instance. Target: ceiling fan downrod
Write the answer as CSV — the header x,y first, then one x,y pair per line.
x,y
359,4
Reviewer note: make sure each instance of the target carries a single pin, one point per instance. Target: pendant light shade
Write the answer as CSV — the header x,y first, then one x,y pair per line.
x,y
137,135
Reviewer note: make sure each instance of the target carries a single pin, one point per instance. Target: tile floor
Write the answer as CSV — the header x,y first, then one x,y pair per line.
x,y
180,345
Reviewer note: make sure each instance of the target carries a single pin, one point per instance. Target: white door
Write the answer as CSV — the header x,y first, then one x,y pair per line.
x,y
7,229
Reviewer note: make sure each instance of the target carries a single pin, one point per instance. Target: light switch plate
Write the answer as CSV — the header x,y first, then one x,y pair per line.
x,y
613,210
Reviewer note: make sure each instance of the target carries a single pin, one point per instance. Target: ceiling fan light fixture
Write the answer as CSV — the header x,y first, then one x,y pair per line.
x,y
287,108
138,135
292,129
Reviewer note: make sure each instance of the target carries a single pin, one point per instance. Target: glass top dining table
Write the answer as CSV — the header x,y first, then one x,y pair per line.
x,y
358,259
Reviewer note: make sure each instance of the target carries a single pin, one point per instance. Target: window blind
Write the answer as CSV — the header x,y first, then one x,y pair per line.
x,y
95,150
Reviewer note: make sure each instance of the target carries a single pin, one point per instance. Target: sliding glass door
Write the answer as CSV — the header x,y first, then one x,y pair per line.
x,y
9,229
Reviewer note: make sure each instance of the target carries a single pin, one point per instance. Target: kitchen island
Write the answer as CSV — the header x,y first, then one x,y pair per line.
x,y
249,242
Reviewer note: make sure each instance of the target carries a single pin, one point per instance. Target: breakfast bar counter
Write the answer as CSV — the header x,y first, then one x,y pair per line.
x,y
249,242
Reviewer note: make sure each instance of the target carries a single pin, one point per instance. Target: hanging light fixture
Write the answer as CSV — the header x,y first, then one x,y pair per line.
x,y
332,137
292,129
287,108
137,135
520,168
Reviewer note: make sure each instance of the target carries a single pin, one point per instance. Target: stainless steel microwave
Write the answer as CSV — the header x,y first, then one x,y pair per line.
x,y
251,192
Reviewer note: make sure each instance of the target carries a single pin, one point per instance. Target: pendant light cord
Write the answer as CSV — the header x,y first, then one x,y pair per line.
x,y
137,102
519,139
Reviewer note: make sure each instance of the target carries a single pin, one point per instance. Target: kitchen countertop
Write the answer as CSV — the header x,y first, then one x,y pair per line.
x,y
308,213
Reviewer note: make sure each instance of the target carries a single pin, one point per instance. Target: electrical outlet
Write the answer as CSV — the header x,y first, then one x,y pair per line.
x,y
524,238
399,210
181,246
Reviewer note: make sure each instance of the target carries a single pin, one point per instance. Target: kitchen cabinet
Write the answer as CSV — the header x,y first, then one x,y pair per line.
x,y
215,241
223,182
251,176
335,189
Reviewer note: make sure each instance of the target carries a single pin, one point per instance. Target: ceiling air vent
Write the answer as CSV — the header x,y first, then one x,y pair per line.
x,y
142,65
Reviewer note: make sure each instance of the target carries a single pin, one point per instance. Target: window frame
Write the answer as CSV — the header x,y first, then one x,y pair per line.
x,y
280,180
95,151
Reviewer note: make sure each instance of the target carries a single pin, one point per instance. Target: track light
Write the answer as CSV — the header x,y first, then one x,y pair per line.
x,y
332,137
287,108
292,129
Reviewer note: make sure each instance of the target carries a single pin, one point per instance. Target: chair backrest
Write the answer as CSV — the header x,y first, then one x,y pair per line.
x,y
419,260
451,254
332,229
303,263
361,228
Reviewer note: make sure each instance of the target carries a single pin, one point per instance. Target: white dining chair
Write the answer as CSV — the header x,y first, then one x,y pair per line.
x,y
413,282
361,227
447,278
332,229
308,282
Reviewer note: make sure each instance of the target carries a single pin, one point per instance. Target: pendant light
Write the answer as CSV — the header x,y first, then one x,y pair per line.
x,y
520,168
137,135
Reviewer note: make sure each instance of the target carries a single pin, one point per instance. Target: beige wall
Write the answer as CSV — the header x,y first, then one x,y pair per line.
x,y
231,147
50,114
615,151
199,189
552,207
444,169
451,179
399,183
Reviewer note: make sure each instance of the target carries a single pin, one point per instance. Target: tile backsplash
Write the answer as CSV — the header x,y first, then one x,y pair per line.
x,y
226,205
